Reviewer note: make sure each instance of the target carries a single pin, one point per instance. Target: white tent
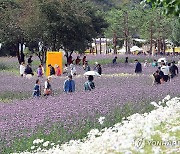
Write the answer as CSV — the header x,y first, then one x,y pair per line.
x,y
135,48
123,50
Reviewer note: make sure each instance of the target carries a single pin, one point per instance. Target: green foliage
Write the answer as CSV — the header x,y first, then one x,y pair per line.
x,y
175,36
171,7
70,25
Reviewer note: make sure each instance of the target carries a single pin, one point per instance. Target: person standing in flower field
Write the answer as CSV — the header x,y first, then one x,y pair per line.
x,y
39,71
89,85
30,60
65,70
42,69
87,67
114,60
22,69
146,63
126,60
47,87
173,70
155,63
165,70
84,60
73,69
69,85
138,68
98,68
52,70
37,89
58,70
78,60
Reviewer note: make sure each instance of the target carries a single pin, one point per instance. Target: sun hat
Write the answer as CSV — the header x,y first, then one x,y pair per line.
x,y
49,77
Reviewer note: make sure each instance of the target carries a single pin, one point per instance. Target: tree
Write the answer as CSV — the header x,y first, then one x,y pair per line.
x,y
122,25
57,24
171,7
175,36
11,31
72,24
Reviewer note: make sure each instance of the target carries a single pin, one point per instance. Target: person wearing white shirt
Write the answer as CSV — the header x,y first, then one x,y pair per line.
x,y
73,70
22,69
47,87
165,70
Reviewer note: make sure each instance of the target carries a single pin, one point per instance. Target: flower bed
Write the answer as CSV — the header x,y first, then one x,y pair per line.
x,y
154,132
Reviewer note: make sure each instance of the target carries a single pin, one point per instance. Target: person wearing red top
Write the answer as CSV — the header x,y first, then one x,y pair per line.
x,y
84,60
58,71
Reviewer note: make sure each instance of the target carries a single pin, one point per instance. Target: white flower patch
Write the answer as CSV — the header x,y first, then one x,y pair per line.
x,y
38,141
130,136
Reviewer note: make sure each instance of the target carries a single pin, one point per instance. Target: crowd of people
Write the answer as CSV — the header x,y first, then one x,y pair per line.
x,y
70,71
69,86
164,73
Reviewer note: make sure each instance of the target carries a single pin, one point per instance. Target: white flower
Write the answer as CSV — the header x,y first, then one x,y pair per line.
x,y
101,120
168,97
45,144
154,104
33,147
38,141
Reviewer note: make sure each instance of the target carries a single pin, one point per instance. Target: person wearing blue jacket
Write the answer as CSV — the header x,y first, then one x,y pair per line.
x,y
69,85
37,89
138,68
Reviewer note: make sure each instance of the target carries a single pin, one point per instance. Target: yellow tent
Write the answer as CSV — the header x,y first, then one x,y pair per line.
x,y
54,58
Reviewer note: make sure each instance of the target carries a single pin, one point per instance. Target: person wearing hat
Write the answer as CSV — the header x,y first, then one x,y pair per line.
x,y
146,63
138,68
69,85
58,70
98,68
73,69
47,87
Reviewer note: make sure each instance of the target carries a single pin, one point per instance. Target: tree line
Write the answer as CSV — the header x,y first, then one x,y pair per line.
x,y
72,25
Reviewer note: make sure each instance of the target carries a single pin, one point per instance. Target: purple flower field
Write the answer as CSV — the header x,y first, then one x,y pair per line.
x,y
22,118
